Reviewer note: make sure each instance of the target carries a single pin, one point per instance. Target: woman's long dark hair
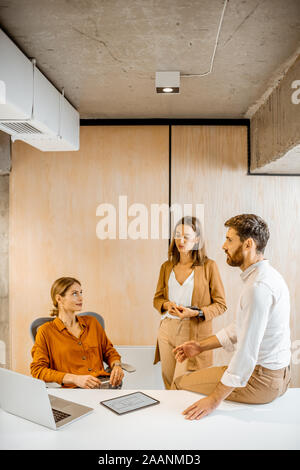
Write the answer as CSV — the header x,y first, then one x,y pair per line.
x,y
198,251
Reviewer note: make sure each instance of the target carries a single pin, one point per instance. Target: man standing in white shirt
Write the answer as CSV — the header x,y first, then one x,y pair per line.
x,y
259,370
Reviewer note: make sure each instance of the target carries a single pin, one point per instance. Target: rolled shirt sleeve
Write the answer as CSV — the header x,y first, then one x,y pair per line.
x,y
248,335
227,337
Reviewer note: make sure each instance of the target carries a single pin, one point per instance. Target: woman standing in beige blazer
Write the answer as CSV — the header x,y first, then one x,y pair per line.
x,y
187,279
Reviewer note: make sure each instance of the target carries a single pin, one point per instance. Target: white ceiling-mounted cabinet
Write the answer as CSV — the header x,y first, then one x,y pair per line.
x,y
31,108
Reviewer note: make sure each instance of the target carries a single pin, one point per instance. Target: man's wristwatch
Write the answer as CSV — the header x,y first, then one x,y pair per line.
x,y
200,312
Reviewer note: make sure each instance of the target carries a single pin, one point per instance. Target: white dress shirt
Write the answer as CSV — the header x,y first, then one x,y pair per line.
x,y
261,332
181,294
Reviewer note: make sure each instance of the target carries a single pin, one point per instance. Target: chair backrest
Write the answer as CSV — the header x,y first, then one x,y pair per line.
x,y
40,321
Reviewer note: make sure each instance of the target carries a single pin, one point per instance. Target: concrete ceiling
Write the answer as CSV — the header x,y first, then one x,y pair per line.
x,y
105,52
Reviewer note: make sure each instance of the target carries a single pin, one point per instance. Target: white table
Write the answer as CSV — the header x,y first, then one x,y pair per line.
x,y
231,426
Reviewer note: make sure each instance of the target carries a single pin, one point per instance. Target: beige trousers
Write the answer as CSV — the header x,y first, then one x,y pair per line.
x,y
263,386
172,333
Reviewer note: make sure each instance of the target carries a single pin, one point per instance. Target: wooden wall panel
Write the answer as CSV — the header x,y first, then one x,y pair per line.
x,y
53,202
209,166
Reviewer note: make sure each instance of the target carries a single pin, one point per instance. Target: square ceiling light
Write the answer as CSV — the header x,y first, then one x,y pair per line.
x,y
167,82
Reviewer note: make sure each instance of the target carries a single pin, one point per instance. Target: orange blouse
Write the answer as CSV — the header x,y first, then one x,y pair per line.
x,y
57,352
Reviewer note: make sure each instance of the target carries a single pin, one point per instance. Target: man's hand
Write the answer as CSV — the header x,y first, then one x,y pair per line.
x,y
201,408
116,376
186,350
208,404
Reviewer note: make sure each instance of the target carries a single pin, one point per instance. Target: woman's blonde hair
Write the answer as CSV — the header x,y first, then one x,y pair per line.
x,y
60,286
198,251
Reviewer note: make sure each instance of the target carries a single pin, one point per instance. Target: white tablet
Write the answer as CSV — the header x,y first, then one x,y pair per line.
x,y
131,402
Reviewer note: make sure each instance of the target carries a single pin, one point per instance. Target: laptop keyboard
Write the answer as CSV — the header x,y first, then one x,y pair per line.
x,y
59,415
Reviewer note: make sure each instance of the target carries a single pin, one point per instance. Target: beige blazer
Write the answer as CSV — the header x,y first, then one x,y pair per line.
x,y
208,294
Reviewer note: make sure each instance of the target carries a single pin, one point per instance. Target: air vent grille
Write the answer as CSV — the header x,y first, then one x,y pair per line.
x,y
20,127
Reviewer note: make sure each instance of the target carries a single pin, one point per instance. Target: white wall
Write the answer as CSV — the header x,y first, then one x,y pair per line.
x,y
147,376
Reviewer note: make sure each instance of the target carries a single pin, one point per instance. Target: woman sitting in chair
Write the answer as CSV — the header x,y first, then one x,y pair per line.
x,y
70,350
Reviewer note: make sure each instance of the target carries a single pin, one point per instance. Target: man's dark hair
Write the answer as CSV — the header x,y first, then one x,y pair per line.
x,y
250,226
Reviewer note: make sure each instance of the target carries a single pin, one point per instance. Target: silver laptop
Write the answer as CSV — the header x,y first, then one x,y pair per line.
x,y
28,398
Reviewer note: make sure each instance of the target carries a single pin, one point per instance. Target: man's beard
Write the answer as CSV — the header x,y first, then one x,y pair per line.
x,y
237,258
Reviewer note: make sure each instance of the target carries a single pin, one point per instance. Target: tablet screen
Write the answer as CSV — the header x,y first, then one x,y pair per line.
x,y
131,402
